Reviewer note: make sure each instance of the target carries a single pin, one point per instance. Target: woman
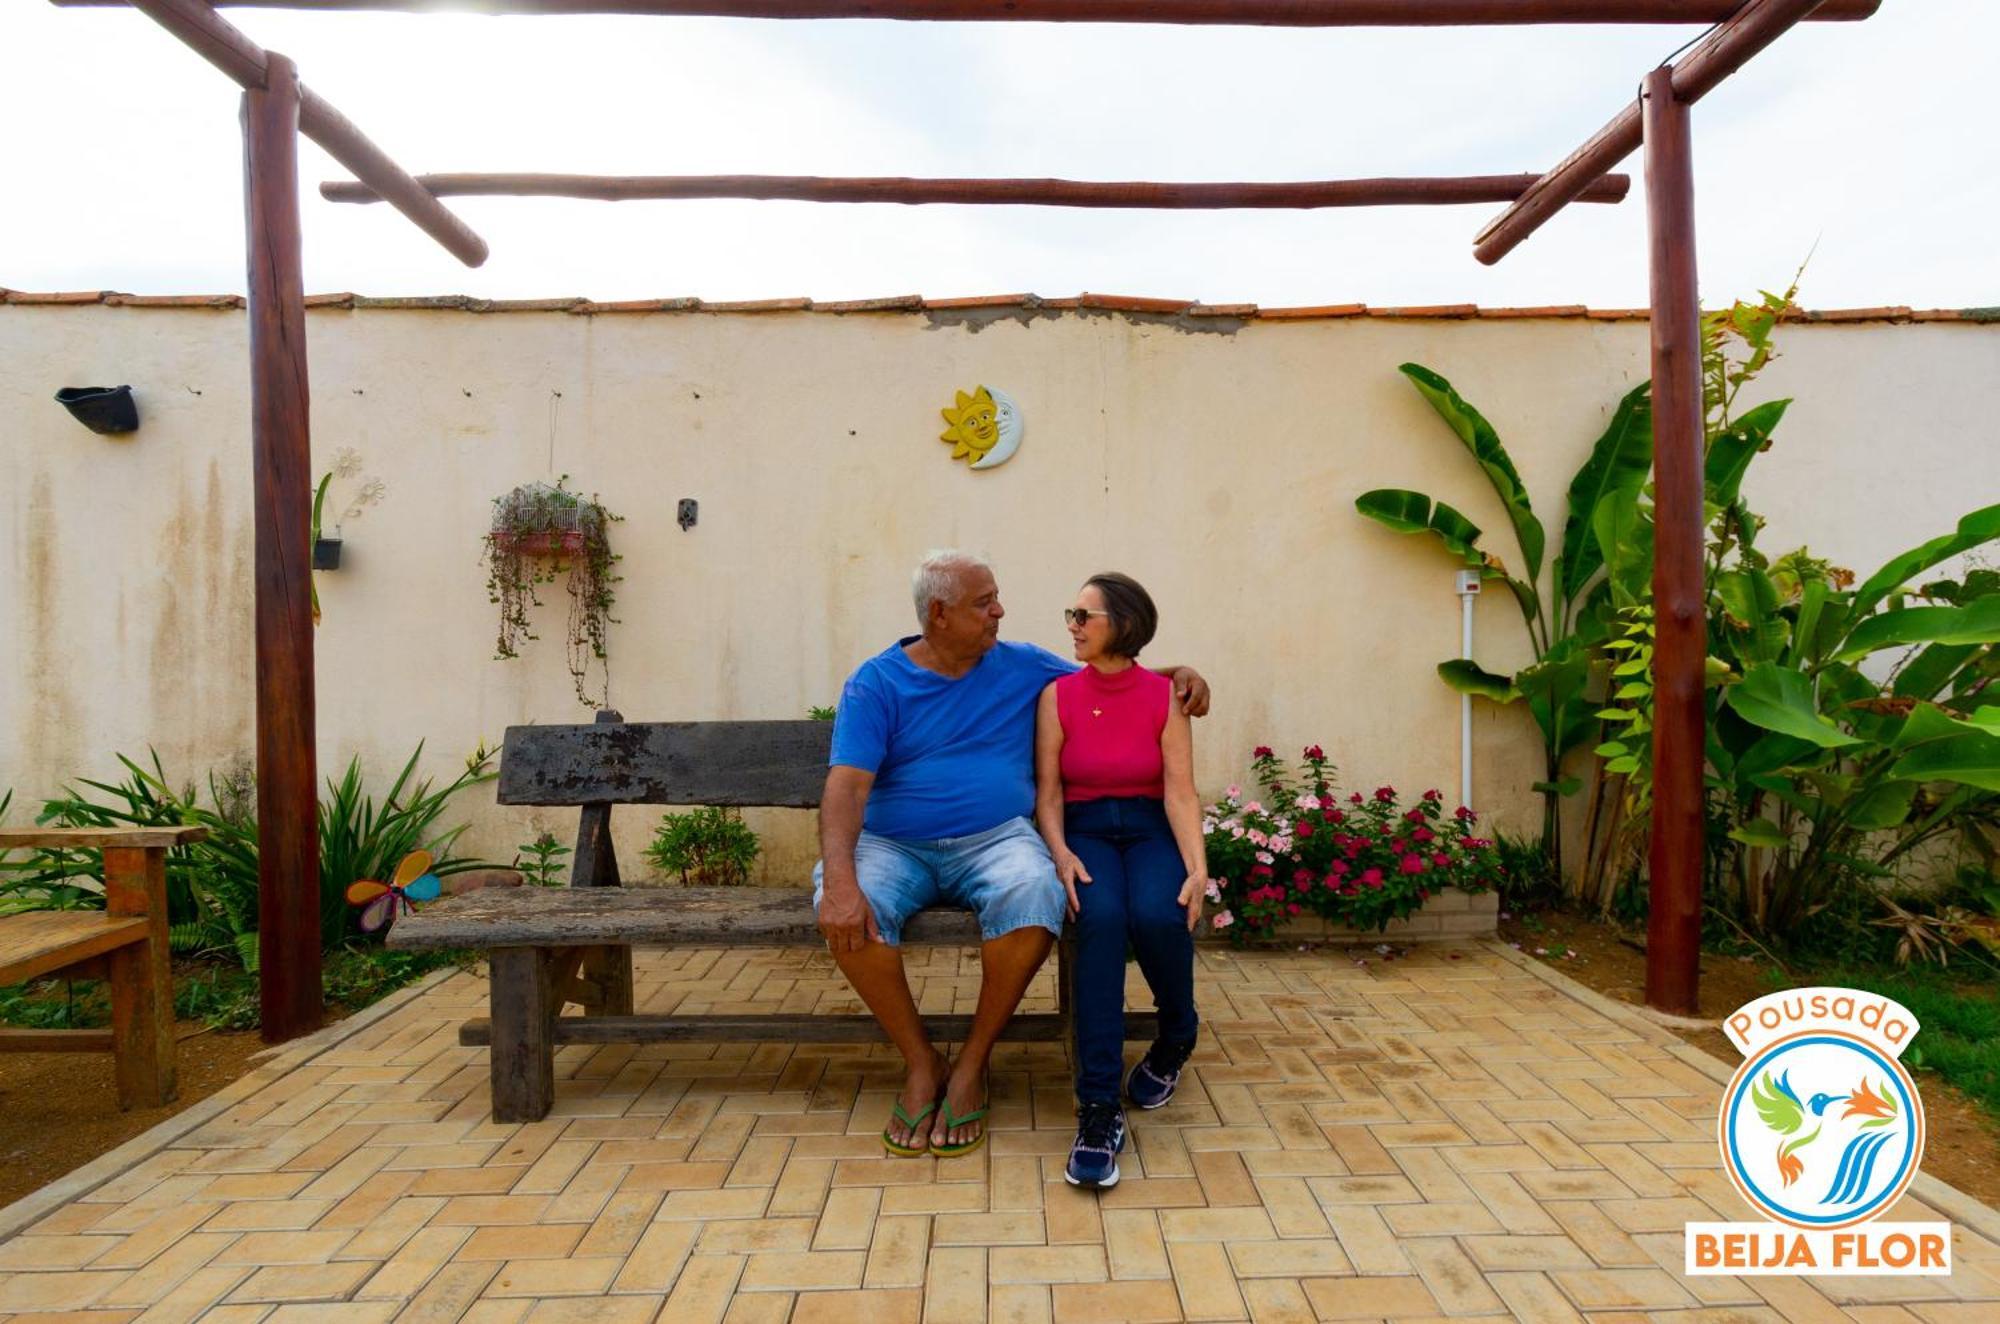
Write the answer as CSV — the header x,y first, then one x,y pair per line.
x,y
1115,800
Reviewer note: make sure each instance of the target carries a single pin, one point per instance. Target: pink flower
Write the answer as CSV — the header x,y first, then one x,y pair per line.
x,y
1232,793
1257,838
1412,864
1253,808
1214,892
1236,833
1223,919
1265,857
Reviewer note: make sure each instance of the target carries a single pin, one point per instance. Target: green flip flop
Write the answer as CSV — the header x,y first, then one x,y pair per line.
x,y
952,1123
916,1128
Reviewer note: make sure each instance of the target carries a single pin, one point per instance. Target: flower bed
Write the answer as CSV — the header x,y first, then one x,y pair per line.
x,y
1302,852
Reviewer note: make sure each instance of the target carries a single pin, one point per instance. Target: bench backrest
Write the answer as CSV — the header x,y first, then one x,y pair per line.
x,y
612,761
666,763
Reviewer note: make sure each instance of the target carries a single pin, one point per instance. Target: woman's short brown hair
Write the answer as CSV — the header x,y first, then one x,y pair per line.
x,y
1133,616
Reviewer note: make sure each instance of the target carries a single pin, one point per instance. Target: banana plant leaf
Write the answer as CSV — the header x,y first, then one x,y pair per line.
x,y
1881,807
1413,512
1624,537
1978,623
1751,600
1556,689
1781,699
1972,758
1729,455
1467,677
1975,530
1924,675
1484,443
1613,475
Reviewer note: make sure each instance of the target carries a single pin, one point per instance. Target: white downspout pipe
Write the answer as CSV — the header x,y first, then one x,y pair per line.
x,y
1468,589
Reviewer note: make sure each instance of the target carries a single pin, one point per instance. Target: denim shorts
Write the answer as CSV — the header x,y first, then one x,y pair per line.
x,y
1004,875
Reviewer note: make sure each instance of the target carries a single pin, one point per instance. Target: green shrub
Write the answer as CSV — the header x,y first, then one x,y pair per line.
x,y
541,860
212,889
706,847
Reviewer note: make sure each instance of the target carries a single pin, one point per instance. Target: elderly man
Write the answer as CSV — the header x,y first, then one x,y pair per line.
x,y
928,801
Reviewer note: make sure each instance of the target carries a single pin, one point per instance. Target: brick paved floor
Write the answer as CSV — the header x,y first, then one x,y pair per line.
x,y
1445,1135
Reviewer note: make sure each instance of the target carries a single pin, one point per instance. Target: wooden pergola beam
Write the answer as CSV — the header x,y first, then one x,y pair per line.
x,y
1756,25
1247,13
1018,192
248,65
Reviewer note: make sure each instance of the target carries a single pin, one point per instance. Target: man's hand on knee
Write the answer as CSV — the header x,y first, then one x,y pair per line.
x,y
846,920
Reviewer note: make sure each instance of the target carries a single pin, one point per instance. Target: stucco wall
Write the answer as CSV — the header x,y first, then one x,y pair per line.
x,y
1218,466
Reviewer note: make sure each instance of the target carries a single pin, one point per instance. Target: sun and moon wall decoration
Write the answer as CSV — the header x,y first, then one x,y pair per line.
x,y
983,428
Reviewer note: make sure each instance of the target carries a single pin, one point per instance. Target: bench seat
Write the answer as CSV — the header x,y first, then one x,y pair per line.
x,y
644,917
40,942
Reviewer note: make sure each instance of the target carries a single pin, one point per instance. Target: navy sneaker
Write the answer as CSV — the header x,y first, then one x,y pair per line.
x,y
1100,1134
1158,1074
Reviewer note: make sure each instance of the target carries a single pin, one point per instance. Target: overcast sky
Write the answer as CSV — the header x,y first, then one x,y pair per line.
x,y
1874,141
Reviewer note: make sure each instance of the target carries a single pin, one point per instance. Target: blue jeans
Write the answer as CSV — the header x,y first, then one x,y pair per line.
x,y
1136,874
1004,875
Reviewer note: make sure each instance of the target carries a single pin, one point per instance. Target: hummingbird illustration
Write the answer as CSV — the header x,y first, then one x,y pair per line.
x,y
1779,1107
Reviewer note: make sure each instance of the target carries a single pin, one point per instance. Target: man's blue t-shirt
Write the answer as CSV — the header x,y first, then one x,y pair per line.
x,y
951,758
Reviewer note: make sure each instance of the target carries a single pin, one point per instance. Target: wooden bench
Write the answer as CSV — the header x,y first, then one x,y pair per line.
x,y
125,944
552,947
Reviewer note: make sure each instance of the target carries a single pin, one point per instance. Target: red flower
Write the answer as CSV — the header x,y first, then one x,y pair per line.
x,y
1260,871
1325,800
1302,829
1372,877
1432,794
1315,754
1261,752
1385,794
1414,816
1292,909
1441,860
1423,834
1337,867
1334,815
1354,799
1464,815
1412,864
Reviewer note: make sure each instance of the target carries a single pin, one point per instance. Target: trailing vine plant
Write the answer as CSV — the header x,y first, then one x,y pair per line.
x,y
541,531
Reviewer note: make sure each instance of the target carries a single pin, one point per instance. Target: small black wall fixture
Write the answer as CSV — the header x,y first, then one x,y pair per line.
x,y
106,409
326,553
689,512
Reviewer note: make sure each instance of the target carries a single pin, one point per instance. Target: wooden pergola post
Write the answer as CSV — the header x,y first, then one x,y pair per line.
x,y
1680,644
288,948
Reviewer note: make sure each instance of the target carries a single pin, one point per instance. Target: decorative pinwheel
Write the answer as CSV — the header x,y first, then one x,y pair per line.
x,y
413,881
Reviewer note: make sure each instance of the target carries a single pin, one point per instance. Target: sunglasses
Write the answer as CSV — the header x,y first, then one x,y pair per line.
x,y
1080,616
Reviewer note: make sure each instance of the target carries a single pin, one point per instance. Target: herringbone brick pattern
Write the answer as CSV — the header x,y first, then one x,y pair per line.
x,y
1441,1136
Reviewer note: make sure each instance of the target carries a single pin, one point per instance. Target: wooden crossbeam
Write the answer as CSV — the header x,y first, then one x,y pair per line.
x,y
248,64
1019,192
1243,13
1756,25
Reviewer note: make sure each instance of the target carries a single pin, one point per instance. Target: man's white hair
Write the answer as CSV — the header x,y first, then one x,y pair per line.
x,y
936,578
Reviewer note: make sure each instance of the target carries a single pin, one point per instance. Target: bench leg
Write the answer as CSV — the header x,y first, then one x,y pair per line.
x,y
610,969
142,993
523,1051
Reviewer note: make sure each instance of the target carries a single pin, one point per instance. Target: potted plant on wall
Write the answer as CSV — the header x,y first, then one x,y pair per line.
x,y
367,491
541,531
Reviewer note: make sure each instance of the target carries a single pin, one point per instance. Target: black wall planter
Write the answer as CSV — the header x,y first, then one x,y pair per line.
x,y
326,553
106,409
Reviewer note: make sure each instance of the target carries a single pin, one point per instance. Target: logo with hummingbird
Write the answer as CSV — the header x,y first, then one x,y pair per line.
x,y
1822,1127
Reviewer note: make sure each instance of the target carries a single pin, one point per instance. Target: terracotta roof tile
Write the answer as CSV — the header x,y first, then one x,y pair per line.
x,y
983,301
895,303
916,303
1129,303
1313,311
1428,310
686,303
758,306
